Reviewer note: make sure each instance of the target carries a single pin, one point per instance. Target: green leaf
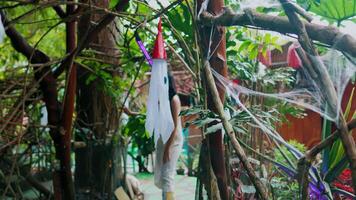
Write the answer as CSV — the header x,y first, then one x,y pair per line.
x,y
230,43
214,128
143,9
181,21
278,47
274,39
240,129
113,3
264,51
349,104
326,132
244,45
90,79
334,11
267,38
251,47
253,53
336,170
193,111
202,122
337,151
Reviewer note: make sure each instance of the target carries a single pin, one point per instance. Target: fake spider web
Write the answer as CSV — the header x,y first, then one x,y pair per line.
x,y
306,93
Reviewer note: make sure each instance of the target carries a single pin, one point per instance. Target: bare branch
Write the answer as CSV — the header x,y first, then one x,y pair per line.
x,y
92,33
325,34
328,141
299,10
60,12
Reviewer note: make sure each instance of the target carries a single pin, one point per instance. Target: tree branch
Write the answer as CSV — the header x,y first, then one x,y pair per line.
x,y
47,81
325,34
60,12
299,10
38,186
305,162
48,87
310,155
92,33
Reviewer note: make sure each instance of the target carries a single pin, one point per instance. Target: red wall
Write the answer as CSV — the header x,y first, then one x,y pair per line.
x,y
308,130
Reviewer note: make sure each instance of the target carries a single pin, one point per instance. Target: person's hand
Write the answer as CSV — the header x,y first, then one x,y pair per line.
x,y
166,156
167,147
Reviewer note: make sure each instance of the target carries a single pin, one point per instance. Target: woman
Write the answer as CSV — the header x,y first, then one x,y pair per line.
x,y
167,154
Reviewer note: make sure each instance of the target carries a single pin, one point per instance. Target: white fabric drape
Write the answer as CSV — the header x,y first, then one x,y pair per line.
x,y
159,121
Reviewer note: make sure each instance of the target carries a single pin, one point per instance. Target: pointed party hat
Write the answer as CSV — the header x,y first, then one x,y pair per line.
x,y
158,51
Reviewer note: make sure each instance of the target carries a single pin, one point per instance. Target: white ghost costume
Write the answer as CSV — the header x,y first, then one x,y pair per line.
x,y
159,123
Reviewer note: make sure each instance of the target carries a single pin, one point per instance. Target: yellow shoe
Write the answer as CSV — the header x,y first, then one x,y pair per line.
x,y
169,196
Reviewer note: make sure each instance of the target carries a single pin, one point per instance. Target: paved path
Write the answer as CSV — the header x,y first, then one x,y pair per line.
x,y
185,187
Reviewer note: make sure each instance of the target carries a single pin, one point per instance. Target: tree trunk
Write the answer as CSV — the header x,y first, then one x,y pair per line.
x,y
68,109
218,63
97,168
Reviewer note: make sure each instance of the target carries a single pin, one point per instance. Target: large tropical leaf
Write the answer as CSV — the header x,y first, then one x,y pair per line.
x,y
332,10
327,130
336,170
181,20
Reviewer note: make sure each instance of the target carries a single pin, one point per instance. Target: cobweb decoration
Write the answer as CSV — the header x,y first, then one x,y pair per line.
x,y
342,69
306,93
235,91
